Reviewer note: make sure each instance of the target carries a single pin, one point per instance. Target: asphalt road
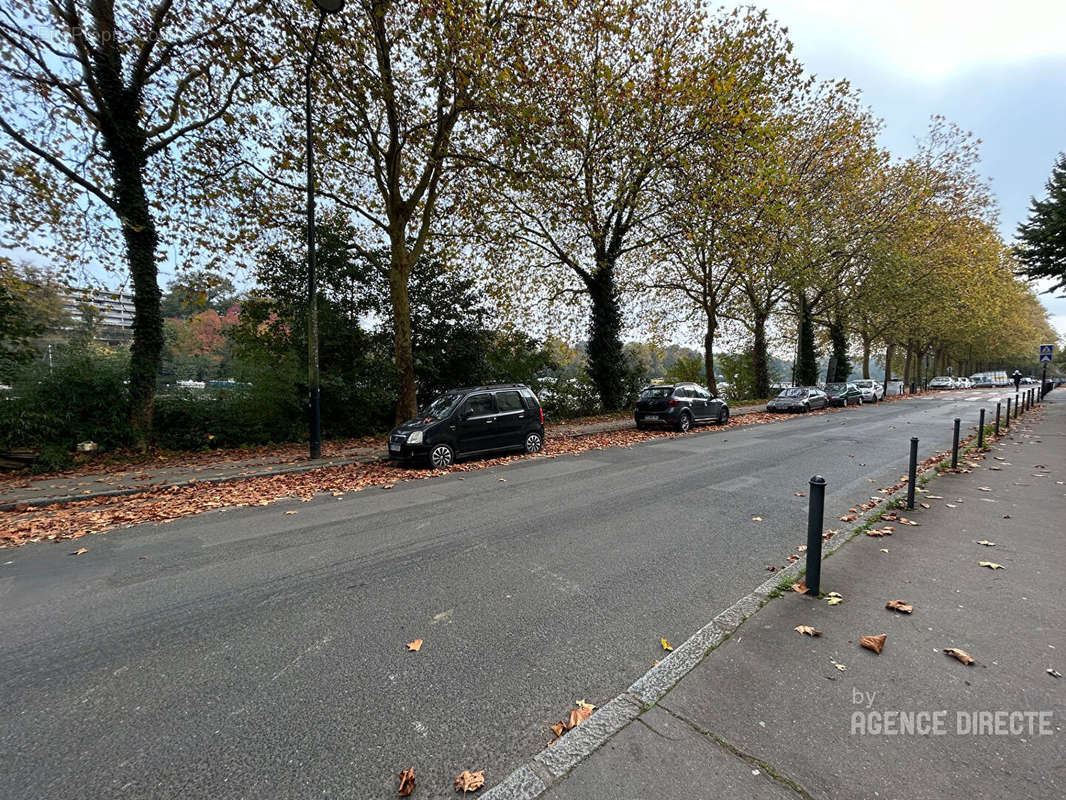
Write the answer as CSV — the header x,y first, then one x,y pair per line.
x,y
254,653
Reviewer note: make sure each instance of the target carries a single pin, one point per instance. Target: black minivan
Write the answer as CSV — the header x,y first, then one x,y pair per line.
x,y
473,421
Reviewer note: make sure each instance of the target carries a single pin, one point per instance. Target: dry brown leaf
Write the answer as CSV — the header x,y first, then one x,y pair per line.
x,y
986,543
80,551
802,548
292,512
801,494
407,782
849,517
799,587
793,558
961,655
467,781
875,643
807,630
578,715
834,601
666,645
900,606
983,489
990,564
414,646
756,519
925,505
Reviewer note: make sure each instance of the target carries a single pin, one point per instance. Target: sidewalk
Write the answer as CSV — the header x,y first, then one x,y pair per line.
x,y
771,713
124,480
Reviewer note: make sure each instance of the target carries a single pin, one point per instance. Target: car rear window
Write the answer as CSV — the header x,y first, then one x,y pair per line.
x,y
531,399
656,392
793,393
508,401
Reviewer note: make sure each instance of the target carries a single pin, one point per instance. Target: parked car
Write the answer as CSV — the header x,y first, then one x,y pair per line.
x,y
843,394
1029,381
942,382
680,406
472,421
872,391
799,398
983,380
963,383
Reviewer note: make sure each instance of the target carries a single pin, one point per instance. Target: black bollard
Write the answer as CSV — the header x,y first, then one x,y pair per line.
x,y
955,445
912,474
815,515
997,417
981,431
1016,405
1007,422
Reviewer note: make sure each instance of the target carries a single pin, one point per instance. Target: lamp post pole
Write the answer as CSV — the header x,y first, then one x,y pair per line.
x,y
325,7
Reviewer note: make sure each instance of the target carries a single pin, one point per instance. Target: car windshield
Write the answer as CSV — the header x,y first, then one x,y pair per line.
x,y
793,393
656,392
835,387
440,407
864,384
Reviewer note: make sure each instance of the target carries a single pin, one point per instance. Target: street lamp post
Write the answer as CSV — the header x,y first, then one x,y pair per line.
x,y
325,7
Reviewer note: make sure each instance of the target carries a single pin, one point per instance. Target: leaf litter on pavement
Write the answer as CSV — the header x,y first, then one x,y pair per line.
x,y
77,518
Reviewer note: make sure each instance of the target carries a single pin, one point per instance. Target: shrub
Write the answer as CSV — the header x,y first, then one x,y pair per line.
x,y
80,396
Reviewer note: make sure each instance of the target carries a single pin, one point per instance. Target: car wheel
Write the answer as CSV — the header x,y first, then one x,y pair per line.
x,y
534,443
684,422
806,407
860,401
441,456
641,426
723,415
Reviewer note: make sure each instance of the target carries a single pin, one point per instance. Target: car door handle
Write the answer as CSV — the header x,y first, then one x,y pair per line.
x,y
490,420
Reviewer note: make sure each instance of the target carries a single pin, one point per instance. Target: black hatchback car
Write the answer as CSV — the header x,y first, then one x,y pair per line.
x,y
680,406
473,421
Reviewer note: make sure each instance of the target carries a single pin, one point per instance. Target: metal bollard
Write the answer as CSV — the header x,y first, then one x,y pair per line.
x,y
912,474
1016,405
955,445
1007,423
815,516
997,417
981,431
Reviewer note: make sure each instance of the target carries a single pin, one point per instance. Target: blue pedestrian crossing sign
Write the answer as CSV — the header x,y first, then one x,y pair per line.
x,y
1046,351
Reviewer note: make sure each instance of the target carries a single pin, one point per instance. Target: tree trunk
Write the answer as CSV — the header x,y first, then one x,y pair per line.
x,y
866,343
606,361
399,275
759,360
807,368
708,351
889,350
839,337
907,362
139,233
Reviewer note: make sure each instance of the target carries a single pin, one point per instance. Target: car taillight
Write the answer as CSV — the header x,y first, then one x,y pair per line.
x,y
541,410
673,401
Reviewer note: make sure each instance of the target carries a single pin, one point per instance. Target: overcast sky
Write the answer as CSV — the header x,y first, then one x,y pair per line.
x,y
996,69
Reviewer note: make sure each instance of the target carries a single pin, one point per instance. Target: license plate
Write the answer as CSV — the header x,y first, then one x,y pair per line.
x,y
652,418
395,447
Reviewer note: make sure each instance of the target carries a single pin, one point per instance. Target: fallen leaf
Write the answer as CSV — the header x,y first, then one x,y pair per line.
x,y
799,587
934,497
1054,673
579,715
875,643
884,549
808,630
801,494
79,551
407,782
793,558
292,512
801,548
666,645
756,519
986,543
834,601
849,517
951,505
415,646
990,564
961,655
841,667
925,505
900,606
502,480
467,781
983,489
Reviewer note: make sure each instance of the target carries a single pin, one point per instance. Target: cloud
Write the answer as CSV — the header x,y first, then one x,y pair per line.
x,y
928,40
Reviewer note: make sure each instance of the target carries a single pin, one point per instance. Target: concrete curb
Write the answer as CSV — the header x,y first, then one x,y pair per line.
x,y
547,768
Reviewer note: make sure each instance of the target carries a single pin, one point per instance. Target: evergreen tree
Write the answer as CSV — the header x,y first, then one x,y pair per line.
x,y
1042,239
